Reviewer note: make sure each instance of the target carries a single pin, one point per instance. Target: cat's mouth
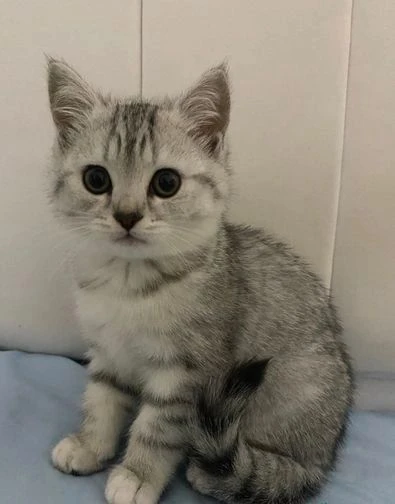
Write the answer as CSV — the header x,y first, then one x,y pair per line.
x,y
129,239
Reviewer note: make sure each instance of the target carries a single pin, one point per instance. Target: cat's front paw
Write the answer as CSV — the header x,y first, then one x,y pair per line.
x,y
124,487
71,456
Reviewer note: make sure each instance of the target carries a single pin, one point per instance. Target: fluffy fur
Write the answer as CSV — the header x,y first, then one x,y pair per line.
x,y
222,339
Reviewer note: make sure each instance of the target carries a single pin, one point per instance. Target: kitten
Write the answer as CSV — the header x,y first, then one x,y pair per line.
x,y
222,338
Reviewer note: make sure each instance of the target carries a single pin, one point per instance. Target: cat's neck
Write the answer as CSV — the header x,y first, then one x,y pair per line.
x,y
98,264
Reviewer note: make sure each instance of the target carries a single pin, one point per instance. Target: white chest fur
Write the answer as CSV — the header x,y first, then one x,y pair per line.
x,y
127,324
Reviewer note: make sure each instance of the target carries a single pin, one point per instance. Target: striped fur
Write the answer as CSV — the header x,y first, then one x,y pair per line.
x,y
220,337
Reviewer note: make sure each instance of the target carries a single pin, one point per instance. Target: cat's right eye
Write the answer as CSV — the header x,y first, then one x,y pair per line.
x,y
96,179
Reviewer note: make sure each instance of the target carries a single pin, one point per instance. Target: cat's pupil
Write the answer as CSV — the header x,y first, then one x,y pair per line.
x,y
167,182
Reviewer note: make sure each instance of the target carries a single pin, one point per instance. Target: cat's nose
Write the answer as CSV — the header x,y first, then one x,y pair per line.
x,y
128,220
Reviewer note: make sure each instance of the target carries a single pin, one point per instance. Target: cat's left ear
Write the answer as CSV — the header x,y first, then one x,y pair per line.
x,y
71,99
206,106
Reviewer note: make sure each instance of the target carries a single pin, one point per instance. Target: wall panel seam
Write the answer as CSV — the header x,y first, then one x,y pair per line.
x,y
141,34
342,157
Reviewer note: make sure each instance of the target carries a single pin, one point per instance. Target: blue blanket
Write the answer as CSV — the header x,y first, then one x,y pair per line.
x,y
39,403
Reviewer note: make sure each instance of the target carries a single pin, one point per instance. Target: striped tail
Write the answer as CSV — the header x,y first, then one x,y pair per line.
x,y
219,410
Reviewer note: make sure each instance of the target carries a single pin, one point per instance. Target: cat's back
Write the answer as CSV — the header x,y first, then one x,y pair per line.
x,y
283,297
265,257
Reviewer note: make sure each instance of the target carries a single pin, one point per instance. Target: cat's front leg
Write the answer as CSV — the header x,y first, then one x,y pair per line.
x,y
158,440
104,413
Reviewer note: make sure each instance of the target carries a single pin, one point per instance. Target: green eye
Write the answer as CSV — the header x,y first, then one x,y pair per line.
x,y
96,179
165,183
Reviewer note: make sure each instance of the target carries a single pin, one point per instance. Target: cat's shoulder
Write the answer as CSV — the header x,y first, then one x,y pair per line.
x,y
257,240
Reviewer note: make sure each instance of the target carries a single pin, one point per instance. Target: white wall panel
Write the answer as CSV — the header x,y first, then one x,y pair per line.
x,y
364,273
289,67
101,39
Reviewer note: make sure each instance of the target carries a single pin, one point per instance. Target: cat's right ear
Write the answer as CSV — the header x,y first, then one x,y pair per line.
x,y
207,107
71,99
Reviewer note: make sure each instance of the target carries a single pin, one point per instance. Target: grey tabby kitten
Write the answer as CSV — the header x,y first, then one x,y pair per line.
x,y
221,337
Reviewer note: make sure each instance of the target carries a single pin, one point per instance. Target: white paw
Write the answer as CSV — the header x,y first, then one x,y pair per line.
x,y
72,457
124,487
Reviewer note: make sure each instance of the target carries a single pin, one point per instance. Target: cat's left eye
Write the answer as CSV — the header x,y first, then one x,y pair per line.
x,y
165,183
96,179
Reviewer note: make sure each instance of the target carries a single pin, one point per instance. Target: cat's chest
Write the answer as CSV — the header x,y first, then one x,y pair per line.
x,y
124,313
129,313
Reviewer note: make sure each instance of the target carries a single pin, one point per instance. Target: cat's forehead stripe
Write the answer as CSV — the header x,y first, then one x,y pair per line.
x,y
112,130
133,117
151,129
143,144
131,131
119,144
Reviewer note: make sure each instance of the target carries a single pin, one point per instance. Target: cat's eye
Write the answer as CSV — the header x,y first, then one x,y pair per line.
x,y
96,179
165,183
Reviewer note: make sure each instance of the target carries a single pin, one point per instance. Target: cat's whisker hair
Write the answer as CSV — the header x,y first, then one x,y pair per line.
x,y
73,235
184,238
224,339
69,255
176,252
60,267
185,241
189,231
46,229
58,237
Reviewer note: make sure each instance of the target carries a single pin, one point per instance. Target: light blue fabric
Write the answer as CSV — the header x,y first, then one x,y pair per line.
x,y
39,403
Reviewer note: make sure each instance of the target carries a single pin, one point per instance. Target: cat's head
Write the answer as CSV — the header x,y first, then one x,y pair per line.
x,y
143,179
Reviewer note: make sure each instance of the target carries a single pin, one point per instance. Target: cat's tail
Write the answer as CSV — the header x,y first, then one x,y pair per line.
x,y
219,410
225,465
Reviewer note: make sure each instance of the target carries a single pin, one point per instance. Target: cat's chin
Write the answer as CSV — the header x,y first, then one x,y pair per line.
x,y
130,241
131,249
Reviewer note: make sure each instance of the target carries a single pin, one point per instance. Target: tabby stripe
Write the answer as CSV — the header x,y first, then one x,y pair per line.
x,y
130,137
143,144
60,183
156,444
92,284
246,492
207,181
220,465
59,186
180,419
119,144
185,361
108,379
151,130
196,260
111,133
150,288
165,401
256,445
133,118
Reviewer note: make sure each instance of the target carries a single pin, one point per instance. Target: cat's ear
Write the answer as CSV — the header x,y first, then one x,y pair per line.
x,y
71,99
206,106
